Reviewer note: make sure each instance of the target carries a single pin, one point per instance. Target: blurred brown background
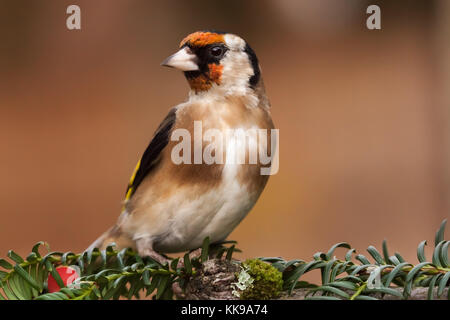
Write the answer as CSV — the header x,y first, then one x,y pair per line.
x,y
363,116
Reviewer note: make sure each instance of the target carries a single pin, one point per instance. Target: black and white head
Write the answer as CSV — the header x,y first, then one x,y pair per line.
x,y
217,62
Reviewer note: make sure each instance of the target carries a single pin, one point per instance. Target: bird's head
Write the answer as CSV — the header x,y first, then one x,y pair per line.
x,y
212,59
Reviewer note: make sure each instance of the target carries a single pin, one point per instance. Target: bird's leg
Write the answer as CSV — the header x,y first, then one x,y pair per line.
x,y
176,286
145,249
194,254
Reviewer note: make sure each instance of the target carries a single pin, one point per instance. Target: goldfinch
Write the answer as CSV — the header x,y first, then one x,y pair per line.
x,y
172,205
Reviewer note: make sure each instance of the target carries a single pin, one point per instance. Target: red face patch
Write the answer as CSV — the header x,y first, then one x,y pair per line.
x,y
215,72
201,39
205,81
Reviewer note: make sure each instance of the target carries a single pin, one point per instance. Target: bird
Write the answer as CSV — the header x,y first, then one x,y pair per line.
x,y
172,207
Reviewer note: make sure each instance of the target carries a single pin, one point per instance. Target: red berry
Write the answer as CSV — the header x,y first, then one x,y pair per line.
x,y
67,274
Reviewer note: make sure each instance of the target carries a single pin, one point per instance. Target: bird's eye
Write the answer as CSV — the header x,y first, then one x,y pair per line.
x,y
216,51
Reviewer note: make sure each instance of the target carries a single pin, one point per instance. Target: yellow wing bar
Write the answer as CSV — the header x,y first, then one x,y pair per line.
x,y
130,184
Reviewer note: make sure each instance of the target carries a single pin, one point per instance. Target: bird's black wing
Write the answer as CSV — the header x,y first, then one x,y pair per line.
x,y
151,154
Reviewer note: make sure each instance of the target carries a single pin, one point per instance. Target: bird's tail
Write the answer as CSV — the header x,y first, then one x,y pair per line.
x,y
115,235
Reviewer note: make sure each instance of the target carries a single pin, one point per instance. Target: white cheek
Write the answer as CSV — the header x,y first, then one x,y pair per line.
x,y
236,71
234,42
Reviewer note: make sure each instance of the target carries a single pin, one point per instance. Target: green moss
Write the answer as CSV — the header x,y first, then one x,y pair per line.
x,y
266,283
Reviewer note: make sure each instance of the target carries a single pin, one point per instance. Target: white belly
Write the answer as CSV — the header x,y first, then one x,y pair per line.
x,y
182,221
214,214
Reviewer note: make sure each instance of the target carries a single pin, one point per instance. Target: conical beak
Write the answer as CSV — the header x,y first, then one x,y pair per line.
x,y
183,60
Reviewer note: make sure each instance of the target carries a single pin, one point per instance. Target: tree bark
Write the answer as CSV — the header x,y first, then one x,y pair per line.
x,y
213,282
